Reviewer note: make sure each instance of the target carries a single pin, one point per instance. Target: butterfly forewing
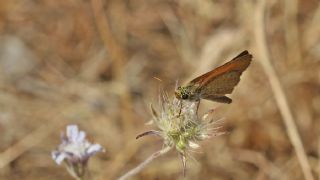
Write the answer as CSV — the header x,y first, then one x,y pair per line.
x,y
239,64
223,79
223,84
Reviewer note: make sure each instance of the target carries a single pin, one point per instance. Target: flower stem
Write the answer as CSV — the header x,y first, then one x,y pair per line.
x,y
141,166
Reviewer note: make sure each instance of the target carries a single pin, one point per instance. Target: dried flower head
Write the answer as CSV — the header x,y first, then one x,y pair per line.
x,y
75,151
180,126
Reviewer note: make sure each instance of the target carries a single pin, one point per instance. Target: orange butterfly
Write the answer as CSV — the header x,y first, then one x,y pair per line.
x,y
214,85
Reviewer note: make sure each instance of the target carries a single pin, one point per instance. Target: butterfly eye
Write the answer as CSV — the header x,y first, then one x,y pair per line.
x,y
185,96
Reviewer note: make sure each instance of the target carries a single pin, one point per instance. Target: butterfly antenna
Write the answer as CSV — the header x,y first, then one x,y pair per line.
x,y
158,79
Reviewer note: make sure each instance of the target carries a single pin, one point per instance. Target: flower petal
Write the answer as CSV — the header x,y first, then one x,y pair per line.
x,y
58,157
54,154
72,132
193,145
93,149
81,136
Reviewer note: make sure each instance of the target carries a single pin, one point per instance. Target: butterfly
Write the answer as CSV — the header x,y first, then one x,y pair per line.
x,y
215,84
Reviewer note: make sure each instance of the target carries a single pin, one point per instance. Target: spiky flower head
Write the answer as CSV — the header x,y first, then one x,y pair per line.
x,y
180,126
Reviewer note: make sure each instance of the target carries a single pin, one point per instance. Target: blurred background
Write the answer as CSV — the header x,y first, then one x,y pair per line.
x,y
93,63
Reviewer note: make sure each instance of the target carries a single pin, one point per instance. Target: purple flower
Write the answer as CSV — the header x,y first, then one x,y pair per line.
x,y
75,150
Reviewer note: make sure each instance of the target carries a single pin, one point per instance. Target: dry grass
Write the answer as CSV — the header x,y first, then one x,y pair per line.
x,y
93,63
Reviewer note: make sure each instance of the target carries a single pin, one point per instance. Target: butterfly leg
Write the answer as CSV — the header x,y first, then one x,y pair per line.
x,y
180,108
198,104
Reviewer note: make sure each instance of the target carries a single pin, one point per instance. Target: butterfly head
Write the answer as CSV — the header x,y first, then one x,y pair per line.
x,y
182,93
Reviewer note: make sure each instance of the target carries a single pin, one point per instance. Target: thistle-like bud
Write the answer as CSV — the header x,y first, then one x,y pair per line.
x,y
180,126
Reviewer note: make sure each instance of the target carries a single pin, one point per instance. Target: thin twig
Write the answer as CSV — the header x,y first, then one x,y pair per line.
x,y
141,166
318,166
151,132
278,91
291,31
113,47
119,57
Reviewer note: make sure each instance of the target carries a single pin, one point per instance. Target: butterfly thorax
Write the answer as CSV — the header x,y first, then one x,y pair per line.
x,y
187,93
